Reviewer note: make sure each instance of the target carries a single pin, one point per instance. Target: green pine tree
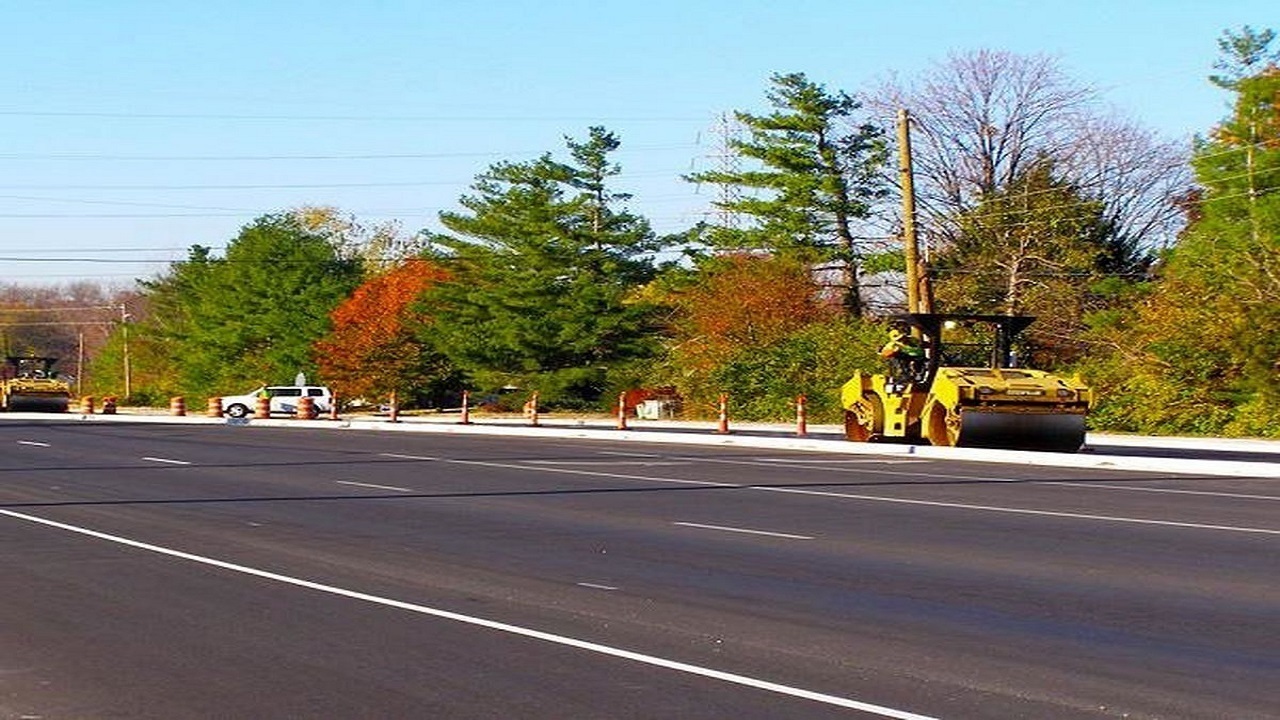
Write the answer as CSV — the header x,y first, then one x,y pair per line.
x,y
249,317
814,172
545,264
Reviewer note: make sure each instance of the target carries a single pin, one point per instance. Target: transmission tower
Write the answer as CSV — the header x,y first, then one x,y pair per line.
x,y
728,130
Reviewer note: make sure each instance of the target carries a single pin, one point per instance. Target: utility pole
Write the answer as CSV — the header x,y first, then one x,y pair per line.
x,y
124,329
80,365
910,244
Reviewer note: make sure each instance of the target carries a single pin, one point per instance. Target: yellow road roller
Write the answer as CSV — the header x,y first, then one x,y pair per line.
x,y
31,385
968,393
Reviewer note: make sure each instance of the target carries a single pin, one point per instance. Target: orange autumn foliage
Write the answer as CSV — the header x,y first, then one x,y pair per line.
x,y
372,350
745,301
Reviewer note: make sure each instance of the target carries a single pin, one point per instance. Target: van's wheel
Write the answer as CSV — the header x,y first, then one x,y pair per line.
x,y
237,411
865,422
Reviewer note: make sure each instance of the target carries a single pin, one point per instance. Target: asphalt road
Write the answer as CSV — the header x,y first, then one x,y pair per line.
x,y
160,571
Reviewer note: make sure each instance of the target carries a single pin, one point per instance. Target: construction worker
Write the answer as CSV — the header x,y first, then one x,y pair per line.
x,y
904,353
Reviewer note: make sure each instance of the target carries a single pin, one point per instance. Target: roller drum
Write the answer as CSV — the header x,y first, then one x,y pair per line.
x,y
38,403
1012,430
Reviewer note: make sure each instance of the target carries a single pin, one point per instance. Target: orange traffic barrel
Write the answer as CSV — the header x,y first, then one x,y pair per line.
x,y
262,408
86,405
178,406
214,408
306,408
109,405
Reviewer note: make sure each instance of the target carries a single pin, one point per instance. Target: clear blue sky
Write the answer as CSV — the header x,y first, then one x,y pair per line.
x,y
130,130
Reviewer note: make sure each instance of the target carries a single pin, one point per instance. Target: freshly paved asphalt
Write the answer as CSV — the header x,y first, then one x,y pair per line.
x,y
162,571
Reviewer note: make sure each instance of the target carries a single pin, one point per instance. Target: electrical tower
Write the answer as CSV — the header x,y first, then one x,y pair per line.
x,y
728,131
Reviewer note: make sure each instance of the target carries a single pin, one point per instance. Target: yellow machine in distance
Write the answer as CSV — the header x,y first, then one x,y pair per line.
x,y
952,398
31,385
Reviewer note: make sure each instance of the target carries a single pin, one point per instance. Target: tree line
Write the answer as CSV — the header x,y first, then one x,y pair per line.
x,y
1153,269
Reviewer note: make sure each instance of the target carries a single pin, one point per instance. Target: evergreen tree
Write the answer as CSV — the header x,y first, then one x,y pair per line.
x,y
816,172
544,270
251,316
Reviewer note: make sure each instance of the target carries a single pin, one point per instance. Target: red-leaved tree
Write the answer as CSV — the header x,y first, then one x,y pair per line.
x,y
372,350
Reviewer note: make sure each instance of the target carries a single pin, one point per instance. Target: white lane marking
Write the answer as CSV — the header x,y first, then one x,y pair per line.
x,y
564,640
608,463
594,586
569,471
1172,491
627,454
989,479
788,536
874,498
33,443
850,461
375,487
859,470
1022,511
409,457
167,461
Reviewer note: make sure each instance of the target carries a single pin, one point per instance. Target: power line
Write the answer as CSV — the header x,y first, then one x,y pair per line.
x,y
340,118
310,157
298,186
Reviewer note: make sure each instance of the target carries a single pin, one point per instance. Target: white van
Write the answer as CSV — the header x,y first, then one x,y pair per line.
x,y
284,400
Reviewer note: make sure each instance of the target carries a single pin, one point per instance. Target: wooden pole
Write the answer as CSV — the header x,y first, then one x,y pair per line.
x,y
910,244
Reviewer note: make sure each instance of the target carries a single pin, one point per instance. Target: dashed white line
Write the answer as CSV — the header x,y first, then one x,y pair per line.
x,y
746,531
563,640
33,443
167,461
375,487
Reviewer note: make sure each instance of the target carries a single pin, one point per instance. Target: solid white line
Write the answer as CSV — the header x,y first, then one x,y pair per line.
x,y
1021,511
875,498
628,454
653,660
800,465
409,457
167,461
33,443
608,463
851,461
375,487
570,471
1172,491
594,586
788,536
